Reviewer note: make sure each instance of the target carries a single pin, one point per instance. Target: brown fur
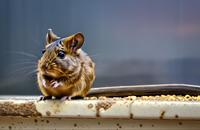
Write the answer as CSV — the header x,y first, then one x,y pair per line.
x,y
72,75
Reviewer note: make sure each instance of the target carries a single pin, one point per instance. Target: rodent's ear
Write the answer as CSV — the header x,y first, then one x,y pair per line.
x,y
74,42
51,37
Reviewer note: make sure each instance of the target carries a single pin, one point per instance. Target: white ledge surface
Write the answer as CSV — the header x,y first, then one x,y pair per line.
x,y
134,108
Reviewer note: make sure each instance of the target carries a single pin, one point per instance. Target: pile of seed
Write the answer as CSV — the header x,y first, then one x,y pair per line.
x,y
158,98
171,98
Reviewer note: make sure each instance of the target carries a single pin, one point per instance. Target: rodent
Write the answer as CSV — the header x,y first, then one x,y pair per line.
x,y
65,70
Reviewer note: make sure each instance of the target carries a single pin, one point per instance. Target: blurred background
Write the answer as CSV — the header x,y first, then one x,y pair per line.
x,y
132,41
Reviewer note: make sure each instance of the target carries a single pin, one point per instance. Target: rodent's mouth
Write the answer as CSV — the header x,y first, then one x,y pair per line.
x,y
47,77
51,78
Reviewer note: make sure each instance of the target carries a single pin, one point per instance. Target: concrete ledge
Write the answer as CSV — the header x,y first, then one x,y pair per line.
x,y
132,107
131,113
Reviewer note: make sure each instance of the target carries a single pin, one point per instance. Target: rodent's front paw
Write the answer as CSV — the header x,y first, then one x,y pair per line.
x,y
55,84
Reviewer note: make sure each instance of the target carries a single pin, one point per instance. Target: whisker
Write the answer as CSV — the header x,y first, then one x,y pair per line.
x,y
26,63
25,54
22,69
32,72
26,60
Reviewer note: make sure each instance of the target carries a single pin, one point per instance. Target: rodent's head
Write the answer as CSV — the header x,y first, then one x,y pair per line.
x,y
61,55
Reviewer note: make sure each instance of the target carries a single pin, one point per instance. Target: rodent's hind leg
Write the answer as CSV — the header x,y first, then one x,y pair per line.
x,y
45,98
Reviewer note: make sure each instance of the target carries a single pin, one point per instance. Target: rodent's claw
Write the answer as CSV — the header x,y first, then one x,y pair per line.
x,y
45,98
66,98
71,98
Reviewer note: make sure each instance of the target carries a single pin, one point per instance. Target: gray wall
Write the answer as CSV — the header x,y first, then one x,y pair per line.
x,y
131,41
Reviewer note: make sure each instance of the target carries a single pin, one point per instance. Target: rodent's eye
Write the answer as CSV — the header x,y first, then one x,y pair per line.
x,y
61,54
43,51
